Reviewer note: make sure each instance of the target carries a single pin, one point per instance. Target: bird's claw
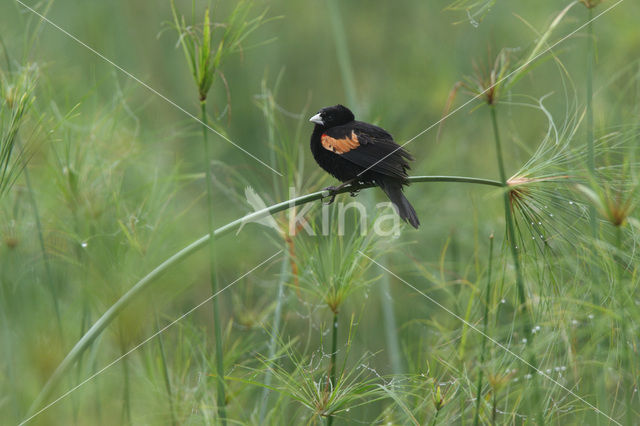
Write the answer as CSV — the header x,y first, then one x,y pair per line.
x,y
331,200
332,194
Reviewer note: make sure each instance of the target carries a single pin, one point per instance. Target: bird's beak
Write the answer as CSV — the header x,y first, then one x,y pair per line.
x,y
317,119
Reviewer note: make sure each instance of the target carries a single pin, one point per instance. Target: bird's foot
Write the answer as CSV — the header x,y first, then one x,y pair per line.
x,y
332,194
334,189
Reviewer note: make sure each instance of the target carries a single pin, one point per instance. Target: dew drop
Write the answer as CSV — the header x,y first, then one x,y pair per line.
x,y
524,340
503,301
571,202
84,244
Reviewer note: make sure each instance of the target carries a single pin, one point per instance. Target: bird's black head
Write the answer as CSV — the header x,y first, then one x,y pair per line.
x,y
332,116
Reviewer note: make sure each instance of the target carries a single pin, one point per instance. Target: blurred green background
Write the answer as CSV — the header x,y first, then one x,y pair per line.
x,y
117,174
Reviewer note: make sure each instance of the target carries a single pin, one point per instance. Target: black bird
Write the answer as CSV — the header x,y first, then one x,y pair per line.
x,y
353,151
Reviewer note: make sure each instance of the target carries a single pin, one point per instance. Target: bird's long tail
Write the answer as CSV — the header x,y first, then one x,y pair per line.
x,y
405,209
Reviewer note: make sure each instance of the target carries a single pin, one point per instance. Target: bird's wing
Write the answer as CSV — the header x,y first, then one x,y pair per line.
x,y
369,147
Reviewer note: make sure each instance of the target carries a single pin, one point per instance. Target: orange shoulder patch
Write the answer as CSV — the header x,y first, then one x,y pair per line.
x,y
340,146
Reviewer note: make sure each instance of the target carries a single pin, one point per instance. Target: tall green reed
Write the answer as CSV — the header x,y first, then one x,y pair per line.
x,y
17,92
591,164
485,323
165,372
492,85
333,269
614,199
511,234
205,59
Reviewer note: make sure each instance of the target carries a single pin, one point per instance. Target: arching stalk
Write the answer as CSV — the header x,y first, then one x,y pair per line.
x,y
126,299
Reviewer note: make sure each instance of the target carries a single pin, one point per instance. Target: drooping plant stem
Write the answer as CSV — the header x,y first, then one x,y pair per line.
x,y
334,356
217,329
126,299
593,215
485,322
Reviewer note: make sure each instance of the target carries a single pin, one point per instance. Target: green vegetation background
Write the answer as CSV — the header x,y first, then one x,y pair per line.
x,y
117,175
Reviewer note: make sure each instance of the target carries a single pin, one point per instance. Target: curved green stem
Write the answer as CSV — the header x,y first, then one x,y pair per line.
x,y
115,309
217,329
